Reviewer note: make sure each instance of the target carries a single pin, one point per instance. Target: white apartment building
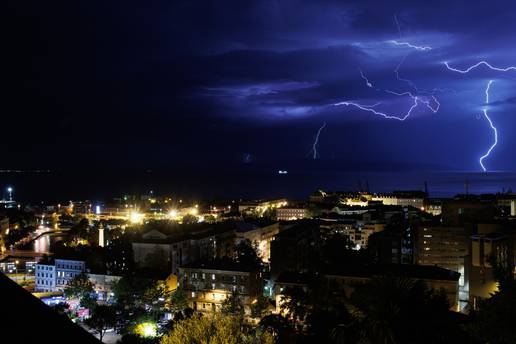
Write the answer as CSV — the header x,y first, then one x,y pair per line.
x,y
45,277
55,277
66,270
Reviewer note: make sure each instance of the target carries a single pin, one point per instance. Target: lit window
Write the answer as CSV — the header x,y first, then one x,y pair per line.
x,y
193,293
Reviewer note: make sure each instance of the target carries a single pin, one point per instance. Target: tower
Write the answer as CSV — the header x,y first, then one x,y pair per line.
x,y
101,235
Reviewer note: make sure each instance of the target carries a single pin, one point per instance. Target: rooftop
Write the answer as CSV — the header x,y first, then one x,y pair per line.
x,y
41,324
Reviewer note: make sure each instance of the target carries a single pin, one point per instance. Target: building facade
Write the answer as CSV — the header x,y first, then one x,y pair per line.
x,y
207,286
262,237
66,270
45,277
56,276
103,285
291,213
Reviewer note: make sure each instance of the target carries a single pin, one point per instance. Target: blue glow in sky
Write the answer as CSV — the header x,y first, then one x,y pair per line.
x,y
188,84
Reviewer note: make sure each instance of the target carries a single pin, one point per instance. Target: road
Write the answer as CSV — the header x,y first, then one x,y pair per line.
x,y
111,337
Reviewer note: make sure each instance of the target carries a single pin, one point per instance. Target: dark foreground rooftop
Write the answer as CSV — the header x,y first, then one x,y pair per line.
x,y
25,319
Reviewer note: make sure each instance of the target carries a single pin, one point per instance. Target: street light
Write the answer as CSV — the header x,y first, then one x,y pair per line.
x,y
146,330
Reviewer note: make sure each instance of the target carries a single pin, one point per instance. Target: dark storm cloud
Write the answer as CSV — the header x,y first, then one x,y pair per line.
x,y
186,75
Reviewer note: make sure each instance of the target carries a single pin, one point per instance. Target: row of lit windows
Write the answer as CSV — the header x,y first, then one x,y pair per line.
x,y
44,267
44,274
203,276
234,288
69,266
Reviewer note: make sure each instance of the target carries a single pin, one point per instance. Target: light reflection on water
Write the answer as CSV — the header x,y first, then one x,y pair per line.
x,y
44,243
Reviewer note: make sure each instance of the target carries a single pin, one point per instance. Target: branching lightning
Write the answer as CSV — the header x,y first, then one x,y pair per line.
x,y
406,44
429,100
485,109
316,142
495,131
423,97
416,101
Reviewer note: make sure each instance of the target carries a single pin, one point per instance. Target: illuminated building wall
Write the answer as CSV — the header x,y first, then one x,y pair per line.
x,y
291,213
207,288
486,248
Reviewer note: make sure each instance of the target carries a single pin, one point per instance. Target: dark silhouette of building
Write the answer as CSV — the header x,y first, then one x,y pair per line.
x,y
25,319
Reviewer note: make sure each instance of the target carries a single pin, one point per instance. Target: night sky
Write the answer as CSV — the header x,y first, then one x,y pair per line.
x,y
224,84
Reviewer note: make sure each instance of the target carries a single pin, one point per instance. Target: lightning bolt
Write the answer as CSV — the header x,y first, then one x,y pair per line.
x,y
495,131
368,84
409,45
406,44
416,101
485,110
397,73
316,141
484,63
397,24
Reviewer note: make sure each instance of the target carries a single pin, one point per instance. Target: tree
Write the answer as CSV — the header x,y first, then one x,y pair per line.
x,y
493,321
279,326
210,219
178,300
189,219
490,322
155,297
232,305
294,303
88,301
128,291
219,329
79,287
102,318
246,254
260,307
80,230
394,310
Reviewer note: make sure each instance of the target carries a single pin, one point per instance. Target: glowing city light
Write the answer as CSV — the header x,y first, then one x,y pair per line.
x,y
173,213
146,330
135,217
10,191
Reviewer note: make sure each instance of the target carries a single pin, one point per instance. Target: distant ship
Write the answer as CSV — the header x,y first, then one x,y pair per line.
x,y
282,172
